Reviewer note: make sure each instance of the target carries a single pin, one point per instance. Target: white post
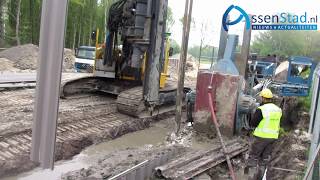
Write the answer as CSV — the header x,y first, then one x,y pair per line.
x,y
316,129
53,23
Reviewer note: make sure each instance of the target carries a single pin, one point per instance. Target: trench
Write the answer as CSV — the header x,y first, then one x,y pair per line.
x,y
156,134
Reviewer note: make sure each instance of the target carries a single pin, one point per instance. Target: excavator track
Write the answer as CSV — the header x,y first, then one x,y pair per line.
x,y
131,102
129,94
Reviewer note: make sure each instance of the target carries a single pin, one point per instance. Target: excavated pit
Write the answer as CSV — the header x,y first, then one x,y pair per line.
x,y
83,120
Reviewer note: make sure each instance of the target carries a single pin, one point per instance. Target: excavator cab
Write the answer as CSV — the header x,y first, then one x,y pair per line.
x,y
299,77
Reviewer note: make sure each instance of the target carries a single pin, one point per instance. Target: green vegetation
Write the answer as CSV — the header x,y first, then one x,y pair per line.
x,y
206,51
20,21
305,102
22,25
288,43
176,47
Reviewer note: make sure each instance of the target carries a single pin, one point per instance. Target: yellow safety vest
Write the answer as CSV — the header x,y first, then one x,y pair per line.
x,y
269,126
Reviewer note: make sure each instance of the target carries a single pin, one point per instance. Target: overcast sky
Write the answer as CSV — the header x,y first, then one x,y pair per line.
x,y
210,12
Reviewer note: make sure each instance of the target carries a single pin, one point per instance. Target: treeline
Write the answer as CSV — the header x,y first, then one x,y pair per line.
x,y
206,51
288,43
20,21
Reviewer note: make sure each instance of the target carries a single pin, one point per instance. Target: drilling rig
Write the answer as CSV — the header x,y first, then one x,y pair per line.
x,y
133,61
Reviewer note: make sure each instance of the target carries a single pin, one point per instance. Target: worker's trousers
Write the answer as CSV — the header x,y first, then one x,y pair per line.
x,y
260,152
190,107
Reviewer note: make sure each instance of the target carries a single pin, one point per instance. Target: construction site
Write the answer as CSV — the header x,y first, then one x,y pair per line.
x,y
121,102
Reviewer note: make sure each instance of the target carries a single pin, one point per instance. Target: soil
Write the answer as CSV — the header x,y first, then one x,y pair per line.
x,y
17,106
7,66
291,150
191,69
25,57
119,161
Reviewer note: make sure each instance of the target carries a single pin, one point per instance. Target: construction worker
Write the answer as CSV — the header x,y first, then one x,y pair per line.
x,y
266,121
191,98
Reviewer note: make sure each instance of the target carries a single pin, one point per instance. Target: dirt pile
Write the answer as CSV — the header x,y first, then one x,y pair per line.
x,y
7,66
191,68
25,57
68,60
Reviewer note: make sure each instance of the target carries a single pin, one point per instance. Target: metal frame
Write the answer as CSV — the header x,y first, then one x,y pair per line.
x,y
314,99
315,119
245,50
152,72
222,41
53,23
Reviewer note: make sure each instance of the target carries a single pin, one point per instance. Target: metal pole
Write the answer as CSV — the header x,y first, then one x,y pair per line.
x,y
53,22
152,81
222,41
200,53
182,62
310,166
245,50
314,99
315,134
212,58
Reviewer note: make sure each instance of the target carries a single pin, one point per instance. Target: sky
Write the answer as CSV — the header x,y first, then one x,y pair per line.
x,y
210,12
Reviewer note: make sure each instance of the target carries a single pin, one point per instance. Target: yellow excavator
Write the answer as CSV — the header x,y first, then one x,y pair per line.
x,y
133,61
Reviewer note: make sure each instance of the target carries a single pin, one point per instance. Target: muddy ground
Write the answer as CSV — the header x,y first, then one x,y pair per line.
x,y
188,140
115,163
16,108
120,160
92,118
290,152
83,120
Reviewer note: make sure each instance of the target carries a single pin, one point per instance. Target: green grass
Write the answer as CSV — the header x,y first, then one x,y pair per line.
x,y
305,102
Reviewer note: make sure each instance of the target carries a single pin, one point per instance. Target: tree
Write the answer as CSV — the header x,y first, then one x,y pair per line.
x,y
204,29
175,46
206,51
170,20
18,22
288,43
2,3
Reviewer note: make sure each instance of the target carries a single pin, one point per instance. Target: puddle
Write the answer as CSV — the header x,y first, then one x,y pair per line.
x,y
151,136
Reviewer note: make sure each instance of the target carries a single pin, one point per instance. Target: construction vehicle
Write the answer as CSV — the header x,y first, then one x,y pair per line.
x,y
84,60
289,78
262,67
298,79
133,63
